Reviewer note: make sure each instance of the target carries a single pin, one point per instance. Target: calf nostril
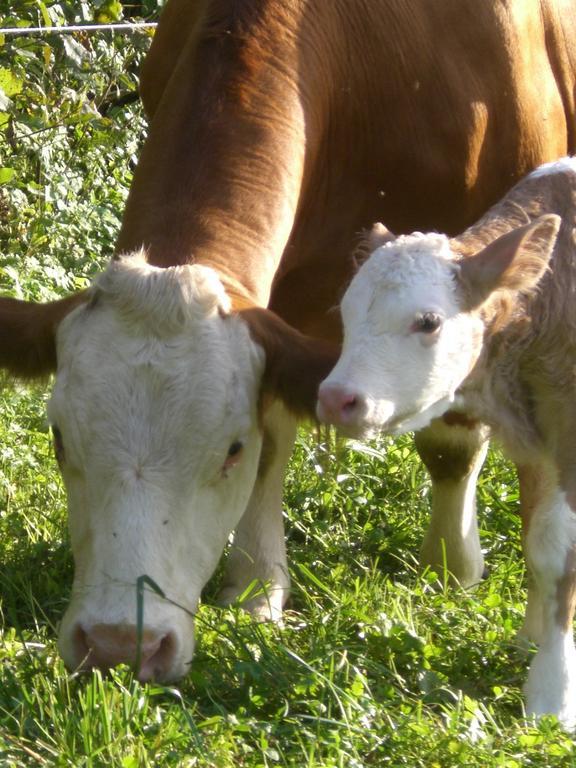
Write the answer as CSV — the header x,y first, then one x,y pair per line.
x,y
338,405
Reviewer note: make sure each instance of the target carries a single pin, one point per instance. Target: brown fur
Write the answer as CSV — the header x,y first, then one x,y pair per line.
x,y
566,593
295,364
526,371
28,344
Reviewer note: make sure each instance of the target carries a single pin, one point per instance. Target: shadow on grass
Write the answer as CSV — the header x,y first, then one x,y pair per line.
x,y
35,582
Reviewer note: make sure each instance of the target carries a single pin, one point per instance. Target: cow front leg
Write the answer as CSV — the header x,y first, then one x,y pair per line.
x,y
453,454
550,549
258,553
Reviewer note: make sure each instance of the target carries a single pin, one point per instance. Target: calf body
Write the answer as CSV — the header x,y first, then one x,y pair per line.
x,y
481,330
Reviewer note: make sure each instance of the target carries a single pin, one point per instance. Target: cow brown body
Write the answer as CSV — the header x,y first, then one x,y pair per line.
x,y
279,131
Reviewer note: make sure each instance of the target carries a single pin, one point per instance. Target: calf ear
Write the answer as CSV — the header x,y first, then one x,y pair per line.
x,y
295,364
515,261
28,334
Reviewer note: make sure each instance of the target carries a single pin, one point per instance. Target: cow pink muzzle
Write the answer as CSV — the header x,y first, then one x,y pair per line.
x,y
104,646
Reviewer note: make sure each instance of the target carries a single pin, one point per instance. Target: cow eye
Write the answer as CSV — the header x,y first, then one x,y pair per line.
x,y
58,444
235,449
233,457
427,322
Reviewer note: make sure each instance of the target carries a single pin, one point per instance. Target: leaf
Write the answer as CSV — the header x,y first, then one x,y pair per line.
x,y
109,11
47,55
6,175
74,51
9,83
45,15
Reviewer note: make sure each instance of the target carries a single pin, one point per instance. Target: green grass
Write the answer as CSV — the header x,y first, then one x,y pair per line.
x,y
374,665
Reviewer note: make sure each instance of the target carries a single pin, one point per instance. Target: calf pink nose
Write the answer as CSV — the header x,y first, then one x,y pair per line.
x,y
107,645
338,405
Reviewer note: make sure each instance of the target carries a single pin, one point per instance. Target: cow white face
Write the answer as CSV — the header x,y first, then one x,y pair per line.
x,y
155,418
407,344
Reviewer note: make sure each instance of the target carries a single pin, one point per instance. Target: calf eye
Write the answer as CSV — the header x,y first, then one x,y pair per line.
x,y
428,322
58,444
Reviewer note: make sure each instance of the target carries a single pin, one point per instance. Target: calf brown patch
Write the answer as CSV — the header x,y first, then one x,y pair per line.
x,y
445,460
566,593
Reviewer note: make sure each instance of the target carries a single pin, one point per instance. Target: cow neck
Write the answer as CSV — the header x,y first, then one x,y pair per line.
x,y
220,173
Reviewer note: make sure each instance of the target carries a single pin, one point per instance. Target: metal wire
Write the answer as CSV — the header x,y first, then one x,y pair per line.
x,y
78,28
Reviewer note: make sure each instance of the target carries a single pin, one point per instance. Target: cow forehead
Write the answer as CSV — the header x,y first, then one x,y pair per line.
x,y
155,348
411,273
164,300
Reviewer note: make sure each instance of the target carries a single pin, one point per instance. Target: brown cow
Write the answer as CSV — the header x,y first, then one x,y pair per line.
x,y
279,130
485,325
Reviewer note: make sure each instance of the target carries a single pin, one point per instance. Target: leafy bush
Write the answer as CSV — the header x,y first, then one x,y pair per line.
x,y
70,127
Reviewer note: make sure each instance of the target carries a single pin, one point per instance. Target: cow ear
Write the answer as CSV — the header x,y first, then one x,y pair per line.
x,y
28,334
295,364
379,235
515,261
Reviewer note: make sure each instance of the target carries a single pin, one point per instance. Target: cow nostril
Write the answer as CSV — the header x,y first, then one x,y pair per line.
x,y
157,666
106,645
81,649
349,404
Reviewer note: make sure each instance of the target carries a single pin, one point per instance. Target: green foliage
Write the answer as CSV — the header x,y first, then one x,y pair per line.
x,y
376,665
68,143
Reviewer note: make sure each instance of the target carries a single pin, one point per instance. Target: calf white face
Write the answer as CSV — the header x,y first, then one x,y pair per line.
x,y
155,418
407,344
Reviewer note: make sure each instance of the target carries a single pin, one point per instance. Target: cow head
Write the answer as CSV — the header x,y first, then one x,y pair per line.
x,y
157,427
414,325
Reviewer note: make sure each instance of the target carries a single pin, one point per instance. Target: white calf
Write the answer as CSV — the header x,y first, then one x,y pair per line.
x,y
481,329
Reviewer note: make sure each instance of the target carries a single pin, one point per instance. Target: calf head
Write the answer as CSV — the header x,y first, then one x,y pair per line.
x,y
156,415
414,325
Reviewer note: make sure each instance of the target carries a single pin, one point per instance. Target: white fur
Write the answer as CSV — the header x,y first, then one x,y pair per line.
x,y
154,384
563,165
551,685
405,378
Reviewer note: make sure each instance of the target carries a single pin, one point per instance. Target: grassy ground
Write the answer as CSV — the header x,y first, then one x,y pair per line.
x,y
374,666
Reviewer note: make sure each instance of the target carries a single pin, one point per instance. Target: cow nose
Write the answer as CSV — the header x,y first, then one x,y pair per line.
x,y
107,645
339,405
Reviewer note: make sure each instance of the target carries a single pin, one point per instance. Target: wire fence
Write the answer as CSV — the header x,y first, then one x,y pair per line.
x,y
66,30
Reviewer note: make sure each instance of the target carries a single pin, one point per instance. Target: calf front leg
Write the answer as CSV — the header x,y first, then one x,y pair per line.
x,y
549,534
258,552
453,451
